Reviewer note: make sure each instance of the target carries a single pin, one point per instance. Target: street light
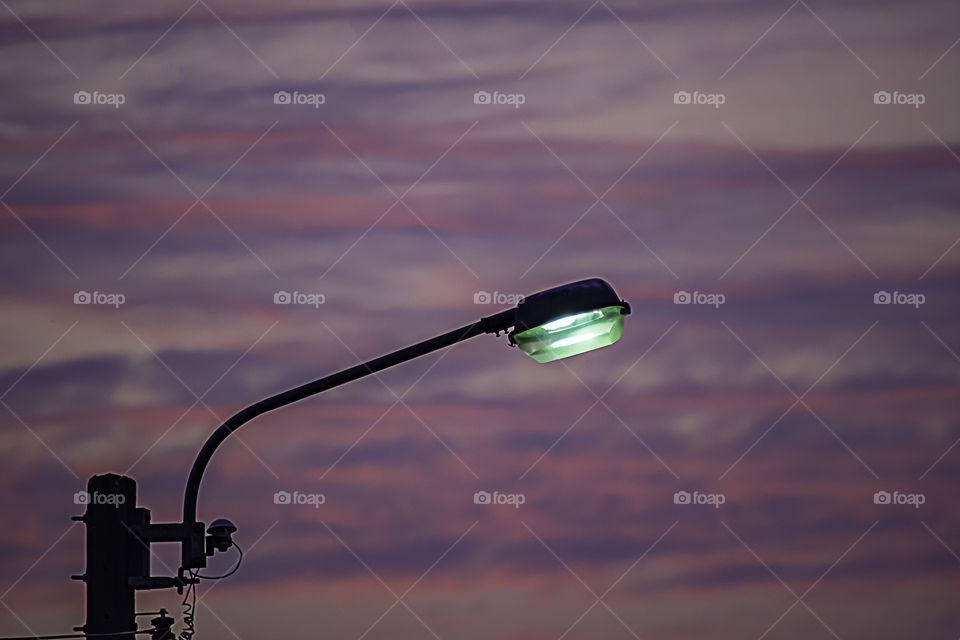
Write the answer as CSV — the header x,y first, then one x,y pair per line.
x,y
567,320
553,324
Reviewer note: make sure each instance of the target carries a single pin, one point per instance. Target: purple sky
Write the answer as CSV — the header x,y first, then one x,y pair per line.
x,y
799,198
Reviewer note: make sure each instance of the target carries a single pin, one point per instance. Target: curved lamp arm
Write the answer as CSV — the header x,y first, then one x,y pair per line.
x,y
492,324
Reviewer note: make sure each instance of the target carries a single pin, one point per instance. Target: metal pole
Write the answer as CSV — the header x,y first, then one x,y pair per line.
x,y
492,324
111,550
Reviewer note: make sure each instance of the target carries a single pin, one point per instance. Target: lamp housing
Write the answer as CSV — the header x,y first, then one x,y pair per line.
x,y
569,320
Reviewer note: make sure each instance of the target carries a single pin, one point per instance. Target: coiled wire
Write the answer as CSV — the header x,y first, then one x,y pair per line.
x,y
189,608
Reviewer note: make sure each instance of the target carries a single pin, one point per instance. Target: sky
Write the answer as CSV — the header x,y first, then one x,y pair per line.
x,y
770,451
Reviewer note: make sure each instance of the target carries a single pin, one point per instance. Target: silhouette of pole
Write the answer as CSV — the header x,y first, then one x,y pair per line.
x,y
113,555
492,324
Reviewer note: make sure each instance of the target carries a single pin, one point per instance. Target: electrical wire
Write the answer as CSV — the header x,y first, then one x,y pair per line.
x,y
189,604
189,609
76,635
229,573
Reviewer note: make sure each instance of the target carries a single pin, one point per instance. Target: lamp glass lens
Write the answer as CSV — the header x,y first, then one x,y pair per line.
x,y
573,334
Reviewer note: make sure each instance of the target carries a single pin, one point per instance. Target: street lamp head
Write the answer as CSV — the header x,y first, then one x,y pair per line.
x,y
568,320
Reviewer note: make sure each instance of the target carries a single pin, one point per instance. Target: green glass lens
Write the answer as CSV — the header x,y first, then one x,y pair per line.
x,y
570,335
